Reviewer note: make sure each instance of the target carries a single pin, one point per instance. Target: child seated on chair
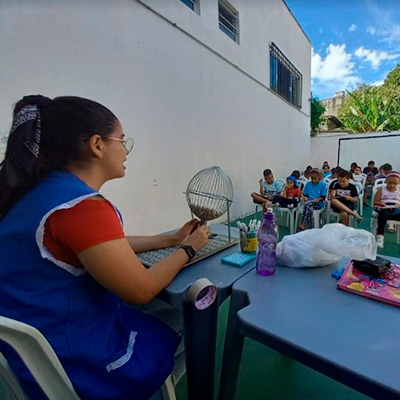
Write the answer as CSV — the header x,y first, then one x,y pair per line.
x,y
291,194
357,177
296,174
314,195
268,189
326,172
384,171
387,203
344,197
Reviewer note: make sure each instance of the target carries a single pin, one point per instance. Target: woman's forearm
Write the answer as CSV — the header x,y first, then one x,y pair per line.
x,y
146,243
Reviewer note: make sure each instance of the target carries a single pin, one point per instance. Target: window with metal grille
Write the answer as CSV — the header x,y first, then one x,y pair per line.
x,y
228,20
192,4
285,79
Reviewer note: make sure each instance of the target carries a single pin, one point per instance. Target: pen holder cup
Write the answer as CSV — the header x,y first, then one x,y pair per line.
x,y
248,242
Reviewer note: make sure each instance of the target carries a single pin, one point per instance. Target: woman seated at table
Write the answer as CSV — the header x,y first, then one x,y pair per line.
x,y
65,262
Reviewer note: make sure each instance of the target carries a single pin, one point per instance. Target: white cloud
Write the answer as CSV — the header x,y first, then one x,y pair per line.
x,y
388,27
334,72
352,27
375,57
377,83
371,29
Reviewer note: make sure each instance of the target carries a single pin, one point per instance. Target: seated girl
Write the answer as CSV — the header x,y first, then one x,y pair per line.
x,y
387,203
314,195
291,194
344,197
326,171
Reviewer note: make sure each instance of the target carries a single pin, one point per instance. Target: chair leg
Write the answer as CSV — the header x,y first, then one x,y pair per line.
x,y
374,225
291,221
168,390
316,219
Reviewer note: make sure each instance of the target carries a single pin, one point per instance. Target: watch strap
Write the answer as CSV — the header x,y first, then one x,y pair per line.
x,y
190,251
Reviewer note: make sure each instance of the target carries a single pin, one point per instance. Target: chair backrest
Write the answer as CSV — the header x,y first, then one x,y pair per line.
x,y
9,383
39,357
303,179
380,182
359,178
359,187
374,190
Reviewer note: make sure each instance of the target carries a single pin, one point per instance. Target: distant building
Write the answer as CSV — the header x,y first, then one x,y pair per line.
x,y
332,106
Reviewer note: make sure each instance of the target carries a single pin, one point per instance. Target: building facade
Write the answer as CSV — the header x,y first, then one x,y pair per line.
x,y
196,83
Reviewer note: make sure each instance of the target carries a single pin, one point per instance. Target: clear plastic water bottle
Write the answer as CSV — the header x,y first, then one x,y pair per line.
x,y
267,241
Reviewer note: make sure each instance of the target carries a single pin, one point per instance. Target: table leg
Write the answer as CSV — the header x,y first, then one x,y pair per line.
x,y
233,349
200,343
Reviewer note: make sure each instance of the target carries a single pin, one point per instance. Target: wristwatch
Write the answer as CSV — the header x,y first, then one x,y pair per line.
x,y
190,251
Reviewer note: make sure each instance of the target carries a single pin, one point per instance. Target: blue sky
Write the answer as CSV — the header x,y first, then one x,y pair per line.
x,y
354,41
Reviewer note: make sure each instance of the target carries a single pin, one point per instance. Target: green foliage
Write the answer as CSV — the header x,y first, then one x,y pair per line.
x,y
393,78
371,109
317,112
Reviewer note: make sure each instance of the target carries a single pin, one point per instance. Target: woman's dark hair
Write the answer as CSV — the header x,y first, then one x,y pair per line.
x,y
344,174
296,174
65,124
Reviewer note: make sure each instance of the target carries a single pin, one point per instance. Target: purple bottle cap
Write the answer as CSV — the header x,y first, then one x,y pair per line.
x,y
269,215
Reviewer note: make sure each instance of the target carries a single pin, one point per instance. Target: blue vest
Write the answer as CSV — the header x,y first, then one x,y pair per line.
x,y
108,350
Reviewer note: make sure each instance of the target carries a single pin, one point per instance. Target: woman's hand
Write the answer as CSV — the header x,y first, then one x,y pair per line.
x,y
187,229
199,238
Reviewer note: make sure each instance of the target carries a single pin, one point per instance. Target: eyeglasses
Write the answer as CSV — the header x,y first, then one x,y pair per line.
x,y
127,143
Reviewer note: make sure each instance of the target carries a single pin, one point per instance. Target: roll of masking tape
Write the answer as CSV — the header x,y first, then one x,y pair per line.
x,y
202,293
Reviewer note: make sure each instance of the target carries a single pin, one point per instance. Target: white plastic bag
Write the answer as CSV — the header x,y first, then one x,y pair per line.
x,y
319,247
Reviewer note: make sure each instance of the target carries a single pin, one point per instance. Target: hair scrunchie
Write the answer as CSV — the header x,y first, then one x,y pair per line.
x,y
24,140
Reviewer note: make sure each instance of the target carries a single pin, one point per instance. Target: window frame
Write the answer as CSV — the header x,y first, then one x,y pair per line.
x,y
193,5
285,79
226,26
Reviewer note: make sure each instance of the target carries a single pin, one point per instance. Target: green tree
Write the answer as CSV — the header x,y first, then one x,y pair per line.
x,y
393,78
317,112
371,109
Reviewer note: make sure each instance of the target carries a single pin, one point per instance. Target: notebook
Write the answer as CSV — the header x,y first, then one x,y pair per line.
x,y
385,289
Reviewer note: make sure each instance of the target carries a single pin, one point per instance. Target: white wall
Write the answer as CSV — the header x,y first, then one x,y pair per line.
x,y
380,147
184,103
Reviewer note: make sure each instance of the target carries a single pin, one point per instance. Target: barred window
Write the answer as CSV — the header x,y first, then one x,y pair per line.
x,y
285,79
228,20
192,4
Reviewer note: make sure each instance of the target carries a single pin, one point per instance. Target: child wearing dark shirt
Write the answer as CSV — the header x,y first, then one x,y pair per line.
x,y
344,197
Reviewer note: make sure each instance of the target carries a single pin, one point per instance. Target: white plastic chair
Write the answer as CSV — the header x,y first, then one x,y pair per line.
x,y
40,359
360,190
303,180
43,363
318,215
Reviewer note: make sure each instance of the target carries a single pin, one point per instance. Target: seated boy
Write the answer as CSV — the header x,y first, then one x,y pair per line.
x,y
268,188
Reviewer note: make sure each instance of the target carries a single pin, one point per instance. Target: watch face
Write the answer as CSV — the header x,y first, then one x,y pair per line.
x,y
191,251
